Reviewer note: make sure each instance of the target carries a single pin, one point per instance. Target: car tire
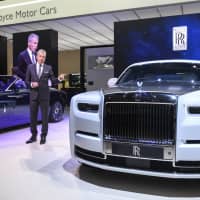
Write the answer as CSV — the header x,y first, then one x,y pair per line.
x,y
56,112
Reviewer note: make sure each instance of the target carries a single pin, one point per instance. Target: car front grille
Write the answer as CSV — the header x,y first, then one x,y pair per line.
x,y
140,122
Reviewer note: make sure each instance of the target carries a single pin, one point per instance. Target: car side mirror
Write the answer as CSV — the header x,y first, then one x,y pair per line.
x,y
111,82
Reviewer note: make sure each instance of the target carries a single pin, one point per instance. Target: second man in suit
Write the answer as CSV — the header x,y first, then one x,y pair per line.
x,y
37,76
26,57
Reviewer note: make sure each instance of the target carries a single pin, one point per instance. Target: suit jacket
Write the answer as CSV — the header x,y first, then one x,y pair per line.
x,y
42,92
23,60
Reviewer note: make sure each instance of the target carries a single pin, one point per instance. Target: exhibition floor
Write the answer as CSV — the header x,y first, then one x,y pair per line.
x,y
39,172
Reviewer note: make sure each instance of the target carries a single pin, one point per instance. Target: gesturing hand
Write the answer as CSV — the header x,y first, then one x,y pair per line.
x,y
61,77
34,84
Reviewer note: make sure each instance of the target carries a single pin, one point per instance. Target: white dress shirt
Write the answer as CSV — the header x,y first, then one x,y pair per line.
x,y
38,66
30,53
37,70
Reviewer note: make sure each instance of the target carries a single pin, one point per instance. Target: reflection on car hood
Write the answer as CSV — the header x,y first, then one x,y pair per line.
x,y
176,90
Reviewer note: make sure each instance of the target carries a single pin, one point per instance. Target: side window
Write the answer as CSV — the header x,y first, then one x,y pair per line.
x,y
19,84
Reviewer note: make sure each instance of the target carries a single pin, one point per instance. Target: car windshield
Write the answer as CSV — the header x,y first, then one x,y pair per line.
x,y
5,82
162,73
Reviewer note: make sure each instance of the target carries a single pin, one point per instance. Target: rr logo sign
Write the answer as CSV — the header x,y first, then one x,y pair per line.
x,y
136,151
179,38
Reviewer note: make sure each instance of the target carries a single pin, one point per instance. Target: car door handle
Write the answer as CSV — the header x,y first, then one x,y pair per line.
x,y
16,96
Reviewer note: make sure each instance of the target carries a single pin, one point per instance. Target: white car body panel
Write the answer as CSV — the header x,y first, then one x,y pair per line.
x,y
188,128
89,122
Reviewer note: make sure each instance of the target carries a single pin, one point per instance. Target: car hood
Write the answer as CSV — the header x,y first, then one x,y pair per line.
x,y
175,90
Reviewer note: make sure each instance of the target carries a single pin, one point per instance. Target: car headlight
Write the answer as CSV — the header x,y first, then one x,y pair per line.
x,y
86,107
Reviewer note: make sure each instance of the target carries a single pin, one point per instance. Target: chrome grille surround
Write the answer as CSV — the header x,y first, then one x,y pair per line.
x,y
140,122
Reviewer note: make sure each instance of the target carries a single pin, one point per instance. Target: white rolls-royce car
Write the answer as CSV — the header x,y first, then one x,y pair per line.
x,y
148,123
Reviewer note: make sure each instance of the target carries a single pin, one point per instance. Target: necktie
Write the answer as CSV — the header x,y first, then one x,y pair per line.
x,y
33,58
40,71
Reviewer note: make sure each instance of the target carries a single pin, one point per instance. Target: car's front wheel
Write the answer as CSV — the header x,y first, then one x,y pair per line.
x,y
56,112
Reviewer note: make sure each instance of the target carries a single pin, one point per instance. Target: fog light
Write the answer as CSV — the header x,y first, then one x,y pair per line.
x,y
168,153
108,147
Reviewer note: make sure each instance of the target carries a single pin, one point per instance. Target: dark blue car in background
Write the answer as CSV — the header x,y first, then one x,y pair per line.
x,y
14,103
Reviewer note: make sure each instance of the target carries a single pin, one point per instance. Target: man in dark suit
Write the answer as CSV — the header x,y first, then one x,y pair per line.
x,y
26,57
37,76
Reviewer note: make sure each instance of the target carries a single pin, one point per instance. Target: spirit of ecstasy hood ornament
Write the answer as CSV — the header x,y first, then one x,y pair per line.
x,y
139,84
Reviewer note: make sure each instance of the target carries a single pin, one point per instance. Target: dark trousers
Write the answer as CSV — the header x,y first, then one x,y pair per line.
x,y
34,107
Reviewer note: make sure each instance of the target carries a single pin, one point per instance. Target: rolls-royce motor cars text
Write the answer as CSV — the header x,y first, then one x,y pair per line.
x,y
148,123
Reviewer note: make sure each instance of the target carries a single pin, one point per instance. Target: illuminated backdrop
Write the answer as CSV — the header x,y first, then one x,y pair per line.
x,y
152,39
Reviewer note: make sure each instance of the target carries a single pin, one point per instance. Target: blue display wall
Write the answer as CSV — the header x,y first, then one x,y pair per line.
x,y
176,37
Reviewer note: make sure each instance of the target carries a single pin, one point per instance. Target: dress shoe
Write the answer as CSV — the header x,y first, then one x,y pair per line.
x,y
43,140
31,140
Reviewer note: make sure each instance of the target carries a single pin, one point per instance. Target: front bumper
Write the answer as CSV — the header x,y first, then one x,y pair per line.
x,y
86,150
147,167
172,175
88,144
